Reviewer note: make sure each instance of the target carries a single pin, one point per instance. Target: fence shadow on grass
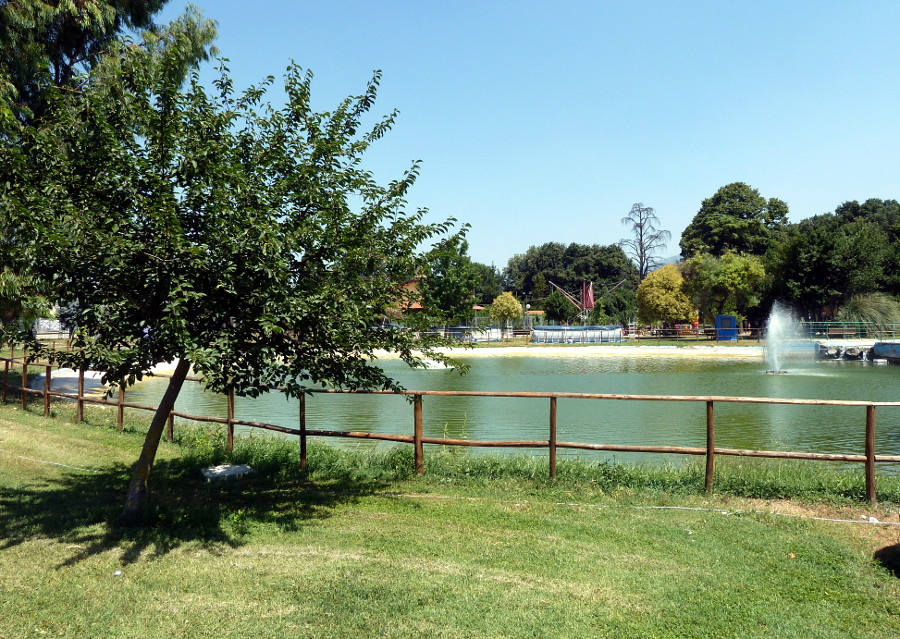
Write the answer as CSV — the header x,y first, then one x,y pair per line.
x,y
80,509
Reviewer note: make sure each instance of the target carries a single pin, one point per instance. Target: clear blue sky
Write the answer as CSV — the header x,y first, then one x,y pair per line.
x,y
540,121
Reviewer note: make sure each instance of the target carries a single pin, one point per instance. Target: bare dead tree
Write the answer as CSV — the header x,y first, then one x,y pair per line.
x,y
647,238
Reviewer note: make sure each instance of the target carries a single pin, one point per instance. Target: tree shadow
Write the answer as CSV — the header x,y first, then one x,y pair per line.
x,y
81,509
889,557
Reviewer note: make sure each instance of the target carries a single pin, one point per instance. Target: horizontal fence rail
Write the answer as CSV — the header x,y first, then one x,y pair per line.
x,y
418,439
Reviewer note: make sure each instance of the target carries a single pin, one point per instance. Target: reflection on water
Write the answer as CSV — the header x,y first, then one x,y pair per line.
x,y
800,428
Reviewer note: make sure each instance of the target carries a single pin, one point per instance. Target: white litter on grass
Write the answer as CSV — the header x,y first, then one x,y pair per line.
x,y
226,471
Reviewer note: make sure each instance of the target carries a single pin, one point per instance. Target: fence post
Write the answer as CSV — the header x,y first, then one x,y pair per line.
x,y
170,427
120,410
303,431
870,455
710,446
230,443
419,449
5,377
47,382
552,442
24,384
79,401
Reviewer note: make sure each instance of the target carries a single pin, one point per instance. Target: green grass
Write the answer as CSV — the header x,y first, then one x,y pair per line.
x,y
479,547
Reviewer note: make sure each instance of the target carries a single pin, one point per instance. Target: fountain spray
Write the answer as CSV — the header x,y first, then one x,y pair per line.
x,y
780,327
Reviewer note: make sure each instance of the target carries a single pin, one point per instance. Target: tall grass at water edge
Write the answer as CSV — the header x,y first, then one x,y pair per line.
x,y
756,478
279,457
205,445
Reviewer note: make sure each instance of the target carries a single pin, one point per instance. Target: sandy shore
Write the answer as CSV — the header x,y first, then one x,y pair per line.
x,y
599,350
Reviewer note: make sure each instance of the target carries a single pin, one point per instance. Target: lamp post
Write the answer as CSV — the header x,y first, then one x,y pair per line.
x,y
527,317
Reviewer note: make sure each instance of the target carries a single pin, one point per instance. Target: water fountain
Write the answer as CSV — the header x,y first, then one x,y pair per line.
x,y
779,328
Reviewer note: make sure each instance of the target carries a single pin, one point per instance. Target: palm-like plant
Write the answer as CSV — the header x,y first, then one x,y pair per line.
x,y
875,308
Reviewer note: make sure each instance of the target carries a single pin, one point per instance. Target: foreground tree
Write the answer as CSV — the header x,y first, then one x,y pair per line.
x,y
661,297
21,301
736,218
215,230
46,43
647,238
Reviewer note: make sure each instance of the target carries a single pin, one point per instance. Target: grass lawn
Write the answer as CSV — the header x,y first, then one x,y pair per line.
x,y
479,547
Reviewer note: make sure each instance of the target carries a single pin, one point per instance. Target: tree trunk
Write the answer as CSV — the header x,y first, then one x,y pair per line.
x,y
138,489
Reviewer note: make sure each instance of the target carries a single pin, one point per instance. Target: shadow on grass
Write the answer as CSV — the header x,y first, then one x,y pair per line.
x,y
81,509
889,557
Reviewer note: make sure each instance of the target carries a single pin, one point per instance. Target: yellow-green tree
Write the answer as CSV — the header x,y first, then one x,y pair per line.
x,y
661,297
505,309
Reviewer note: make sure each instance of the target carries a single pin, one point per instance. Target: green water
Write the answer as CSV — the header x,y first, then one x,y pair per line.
x,y
761,427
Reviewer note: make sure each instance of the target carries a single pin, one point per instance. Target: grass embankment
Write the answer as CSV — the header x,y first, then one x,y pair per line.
x,y
479,547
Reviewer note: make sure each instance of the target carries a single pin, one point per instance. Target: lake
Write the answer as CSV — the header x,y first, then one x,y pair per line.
x,y
790,428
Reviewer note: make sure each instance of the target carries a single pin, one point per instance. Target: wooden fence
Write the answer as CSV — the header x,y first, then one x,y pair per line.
x,y
418,439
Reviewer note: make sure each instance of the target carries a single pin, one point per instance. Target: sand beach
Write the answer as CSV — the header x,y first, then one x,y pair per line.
x,y
610,350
